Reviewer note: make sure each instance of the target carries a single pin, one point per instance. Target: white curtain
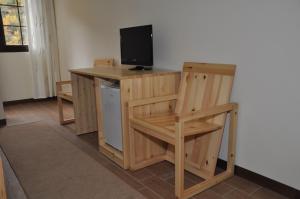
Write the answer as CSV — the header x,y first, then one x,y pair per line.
x,y
43,47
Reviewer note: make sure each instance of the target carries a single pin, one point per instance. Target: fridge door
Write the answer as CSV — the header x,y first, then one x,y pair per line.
x,y
112,123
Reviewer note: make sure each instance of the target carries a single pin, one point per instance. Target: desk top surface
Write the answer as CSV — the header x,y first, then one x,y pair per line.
x,y
119,73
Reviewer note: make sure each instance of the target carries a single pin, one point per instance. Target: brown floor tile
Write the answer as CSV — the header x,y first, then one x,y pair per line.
x,y
236,194
192,177
162,188
208,194
163,169
187,182
243,185
91,138
124,176
222,188
149,194
189,179
266,194
141,174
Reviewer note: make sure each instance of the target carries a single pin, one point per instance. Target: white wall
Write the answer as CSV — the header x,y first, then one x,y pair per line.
x,y
260,36
15,76
83,28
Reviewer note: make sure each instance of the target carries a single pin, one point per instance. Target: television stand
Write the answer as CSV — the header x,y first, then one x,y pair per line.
x,y
140,68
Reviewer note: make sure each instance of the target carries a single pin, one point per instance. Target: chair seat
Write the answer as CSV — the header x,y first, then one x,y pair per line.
x,y
163,127
67,95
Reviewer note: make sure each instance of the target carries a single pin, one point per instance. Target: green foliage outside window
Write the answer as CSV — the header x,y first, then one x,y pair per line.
x,y
14,24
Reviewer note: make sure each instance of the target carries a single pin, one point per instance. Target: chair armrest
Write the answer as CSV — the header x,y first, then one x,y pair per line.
x,y
206,113
63,82
152,100
59,86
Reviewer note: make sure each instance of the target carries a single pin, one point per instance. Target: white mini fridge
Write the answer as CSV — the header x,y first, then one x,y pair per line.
x,y
111,107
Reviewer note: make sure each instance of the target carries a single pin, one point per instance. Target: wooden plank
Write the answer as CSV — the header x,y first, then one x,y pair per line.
x,y
197,128
60,96
179,160
66,96
151,100
206,113
223,69
167,122
232,140
101,137
119,72
189,166
60,105
84,101
131,132
147,162
214,139
2,182
111,153
103,62
126,95
181,93
60,83
155,131
67,121
206,184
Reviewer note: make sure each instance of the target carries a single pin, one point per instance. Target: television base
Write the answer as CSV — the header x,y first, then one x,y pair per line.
x,y
140,68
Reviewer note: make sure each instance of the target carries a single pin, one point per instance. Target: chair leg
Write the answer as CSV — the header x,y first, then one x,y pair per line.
x,y
60,110
179,161
62,121
131,133
232,140
131,149
202,186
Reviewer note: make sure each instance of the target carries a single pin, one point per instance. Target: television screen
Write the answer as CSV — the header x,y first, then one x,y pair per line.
x,y
137,45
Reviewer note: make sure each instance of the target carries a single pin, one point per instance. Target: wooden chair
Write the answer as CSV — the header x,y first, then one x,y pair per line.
x,y
2,182
193,129
67,95
103,62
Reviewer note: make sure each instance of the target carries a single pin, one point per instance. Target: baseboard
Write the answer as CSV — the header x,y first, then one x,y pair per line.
x,y
278,187
2,122
27,101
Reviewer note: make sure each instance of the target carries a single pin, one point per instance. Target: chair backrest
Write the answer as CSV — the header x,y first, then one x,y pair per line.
x,y
204,85
103,62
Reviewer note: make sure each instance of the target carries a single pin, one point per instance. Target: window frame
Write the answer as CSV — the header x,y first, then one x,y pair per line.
x,y
11,48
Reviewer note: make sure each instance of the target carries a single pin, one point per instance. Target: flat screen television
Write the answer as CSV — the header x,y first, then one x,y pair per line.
x,y
137,47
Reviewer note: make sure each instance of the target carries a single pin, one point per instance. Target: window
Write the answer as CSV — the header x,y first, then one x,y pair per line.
x,y
13,26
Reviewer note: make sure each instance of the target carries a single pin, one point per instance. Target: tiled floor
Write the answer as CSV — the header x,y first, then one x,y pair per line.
x,y
156,181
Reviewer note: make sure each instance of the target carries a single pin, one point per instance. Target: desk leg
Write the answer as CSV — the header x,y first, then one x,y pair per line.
x,y
84,101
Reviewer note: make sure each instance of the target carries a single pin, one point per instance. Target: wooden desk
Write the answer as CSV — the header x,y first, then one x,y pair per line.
x,y
133,85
